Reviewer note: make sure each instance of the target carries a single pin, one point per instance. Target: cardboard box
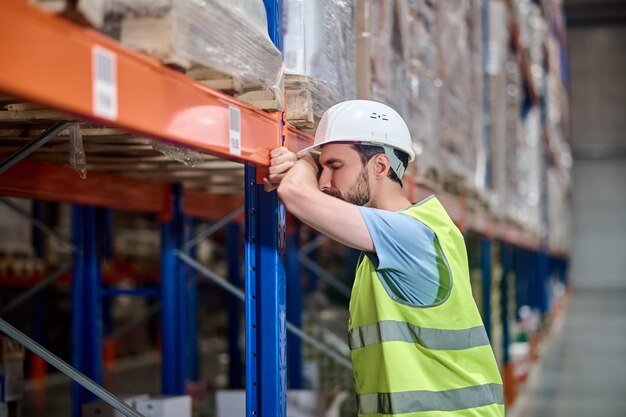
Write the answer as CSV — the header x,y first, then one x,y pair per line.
x,y
11,380
178,406
10,350
300,403
100,408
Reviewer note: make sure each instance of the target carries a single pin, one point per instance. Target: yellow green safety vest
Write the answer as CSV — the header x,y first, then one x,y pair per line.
x,y
430,361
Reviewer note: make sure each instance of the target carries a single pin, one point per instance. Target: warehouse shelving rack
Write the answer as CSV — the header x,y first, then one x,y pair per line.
x,y
50,61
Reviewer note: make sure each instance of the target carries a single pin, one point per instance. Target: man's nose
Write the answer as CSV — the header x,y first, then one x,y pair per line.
x,y
324,180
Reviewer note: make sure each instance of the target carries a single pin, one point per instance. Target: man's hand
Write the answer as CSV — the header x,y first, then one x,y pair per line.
x,y
281,161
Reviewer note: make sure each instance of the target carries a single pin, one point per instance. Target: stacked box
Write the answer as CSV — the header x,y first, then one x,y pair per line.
x,y
319,39
400,67
188,34
513,136
461,105
491,166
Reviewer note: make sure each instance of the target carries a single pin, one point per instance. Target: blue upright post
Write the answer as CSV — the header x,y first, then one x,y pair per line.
x,y
314,279
485,266
86,304
38,236
294,308
106,219
543,273
172,290
266,332
520,263
505,255
235,367
190,305
253,399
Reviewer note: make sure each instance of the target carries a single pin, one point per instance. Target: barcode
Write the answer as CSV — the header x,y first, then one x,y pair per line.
x,y
105,62
104,99
104,83
235,121
234,116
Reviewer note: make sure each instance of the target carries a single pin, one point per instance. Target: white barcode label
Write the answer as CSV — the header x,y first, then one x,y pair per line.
x,y
104,82
234,123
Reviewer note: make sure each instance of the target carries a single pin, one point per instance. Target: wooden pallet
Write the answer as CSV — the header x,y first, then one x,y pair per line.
x,y
299,97
115,151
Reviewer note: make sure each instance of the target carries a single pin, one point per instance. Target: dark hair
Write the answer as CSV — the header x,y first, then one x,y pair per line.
x,y
367,152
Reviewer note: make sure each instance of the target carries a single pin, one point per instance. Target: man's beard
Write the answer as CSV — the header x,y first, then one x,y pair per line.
x,y
359,194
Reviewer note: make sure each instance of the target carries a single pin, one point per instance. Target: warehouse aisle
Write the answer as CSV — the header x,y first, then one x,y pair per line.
x,y
583,374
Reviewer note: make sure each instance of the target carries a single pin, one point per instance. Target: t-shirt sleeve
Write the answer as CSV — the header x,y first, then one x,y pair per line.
x,y
407,257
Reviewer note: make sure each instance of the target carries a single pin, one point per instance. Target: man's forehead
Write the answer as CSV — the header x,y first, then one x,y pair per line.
x,y
337,151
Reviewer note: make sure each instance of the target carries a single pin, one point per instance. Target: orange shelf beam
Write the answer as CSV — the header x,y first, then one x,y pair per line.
x,y
296,140
49,182
211,206
49,60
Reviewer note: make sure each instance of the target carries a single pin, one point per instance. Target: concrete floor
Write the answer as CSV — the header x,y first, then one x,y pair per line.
x,y
583,374
584,371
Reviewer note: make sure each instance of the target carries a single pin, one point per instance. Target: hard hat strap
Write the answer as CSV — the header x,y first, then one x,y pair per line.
x,y
396,163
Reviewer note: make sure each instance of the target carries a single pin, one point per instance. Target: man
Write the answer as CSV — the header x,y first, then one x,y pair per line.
x,y
418,344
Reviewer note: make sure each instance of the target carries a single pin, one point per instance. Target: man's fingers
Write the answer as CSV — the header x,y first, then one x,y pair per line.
x,y
282,168
268,186
279,151
283,157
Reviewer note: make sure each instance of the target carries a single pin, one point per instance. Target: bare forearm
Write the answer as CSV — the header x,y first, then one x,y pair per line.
x,y
329,215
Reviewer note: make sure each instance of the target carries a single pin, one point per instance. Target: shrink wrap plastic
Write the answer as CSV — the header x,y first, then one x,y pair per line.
x,y
461,105
319,39
404,64
228,36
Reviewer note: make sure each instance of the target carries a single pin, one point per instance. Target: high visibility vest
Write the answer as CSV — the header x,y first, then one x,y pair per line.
x,y
419,361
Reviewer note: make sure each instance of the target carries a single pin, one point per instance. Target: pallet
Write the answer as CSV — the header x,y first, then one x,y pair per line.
x,y
302,97
457,184
115,151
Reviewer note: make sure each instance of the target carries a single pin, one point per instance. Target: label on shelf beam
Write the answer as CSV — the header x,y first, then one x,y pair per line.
x,y
104,82
234,122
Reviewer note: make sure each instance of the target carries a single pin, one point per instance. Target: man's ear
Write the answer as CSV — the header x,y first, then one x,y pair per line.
x,y
381,165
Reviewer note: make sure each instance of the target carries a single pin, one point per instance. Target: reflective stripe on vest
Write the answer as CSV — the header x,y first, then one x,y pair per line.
x,y
436,339
416,401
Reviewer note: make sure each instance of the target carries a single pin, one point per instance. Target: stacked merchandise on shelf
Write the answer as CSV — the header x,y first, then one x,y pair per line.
x,y
319,40
531,155
197,37
523,148
496,68
461,104
424,59
399,65
17,257
559,170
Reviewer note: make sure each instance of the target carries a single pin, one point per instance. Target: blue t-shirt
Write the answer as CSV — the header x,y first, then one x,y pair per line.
x,y
407,257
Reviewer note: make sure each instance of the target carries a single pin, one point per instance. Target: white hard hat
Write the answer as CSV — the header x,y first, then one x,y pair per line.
x,y
367,122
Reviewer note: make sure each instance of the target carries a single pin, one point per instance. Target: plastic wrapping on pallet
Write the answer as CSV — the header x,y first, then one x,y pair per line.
x,y
191,32
181,154
492,166
319,43
513,136
559,216
77,157
403,65
532,36
461,105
